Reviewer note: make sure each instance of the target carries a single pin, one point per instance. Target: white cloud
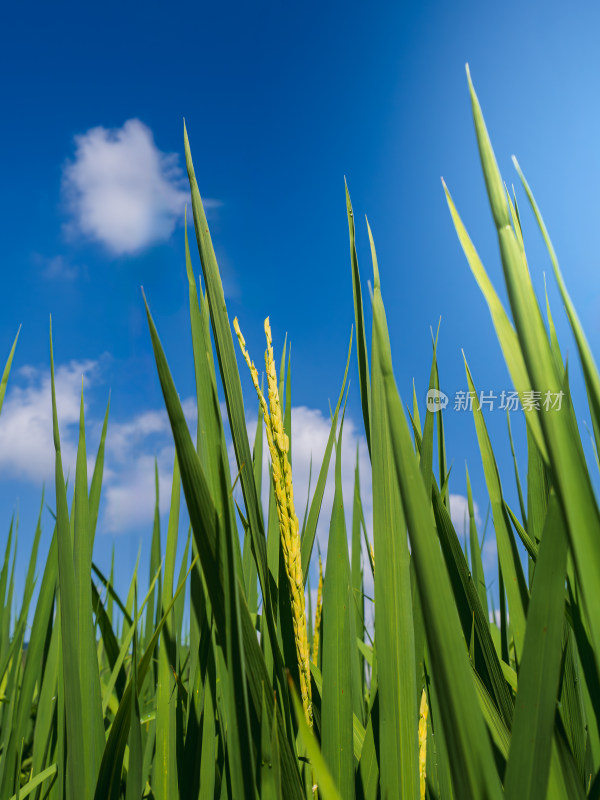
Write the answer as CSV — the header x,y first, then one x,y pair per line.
x,y
27,449
310,431
129,481
129,493
27,446
489,556
26,443
125,437
122,190
459,513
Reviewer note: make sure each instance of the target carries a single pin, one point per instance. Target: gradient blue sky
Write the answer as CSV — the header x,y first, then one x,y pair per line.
x,y
281,102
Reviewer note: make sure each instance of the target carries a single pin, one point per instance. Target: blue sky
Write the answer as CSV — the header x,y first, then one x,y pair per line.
x,y
281,103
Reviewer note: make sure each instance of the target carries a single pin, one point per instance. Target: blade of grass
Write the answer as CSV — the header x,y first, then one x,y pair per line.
x,y
310,529
361,338
231,385
531,743
394,633
96,485
324,781
164,784
476,562
471,612
505,332
211,444
88,657
471,761
516,468
127,639
36,781
19,726
134,785
109,777
357,587
5,605
512,569
336,704
270,778
205,526
6,372
537,491
153,606
80,780
590,371
561,446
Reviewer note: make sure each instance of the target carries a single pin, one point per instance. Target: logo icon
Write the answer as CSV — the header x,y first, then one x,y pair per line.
x,y
436,400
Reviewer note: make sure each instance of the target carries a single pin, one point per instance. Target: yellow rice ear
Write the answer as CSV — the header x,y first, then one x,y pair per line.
x,y
289,528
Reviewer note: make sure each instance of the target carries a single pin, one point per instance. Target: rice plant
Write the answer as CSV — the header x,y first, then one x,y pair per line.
x,y
111,694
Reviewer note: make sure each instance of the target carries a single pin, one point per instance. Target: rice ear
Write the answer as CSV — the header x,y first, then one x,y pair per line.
x,y
289,527
318,612
423,714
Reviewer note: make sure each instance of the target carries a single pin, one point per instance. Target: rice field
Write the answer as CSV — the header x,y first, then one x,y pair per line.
x,y
108,694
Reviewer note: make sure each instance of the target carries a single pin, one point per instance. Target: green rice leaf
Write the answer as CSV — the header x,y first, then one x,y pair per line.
x,y
472,614
516,468
35,782
512,570
80,779
471,762
368,767
571,706
270,777
109,776
505,332
357,589
134,785
338,653
6,372
153,607
561,446
310,529
205,526
590,371
394,636
531,742
324,780
96,485
231,385
109,641
127,639
164,784
537,491
476,562
88,657
361,338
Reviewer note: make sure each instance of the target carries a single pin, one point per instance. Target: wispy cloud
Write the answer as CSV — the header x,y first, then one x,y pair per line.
x,y
56,267
121,190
